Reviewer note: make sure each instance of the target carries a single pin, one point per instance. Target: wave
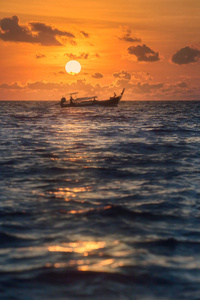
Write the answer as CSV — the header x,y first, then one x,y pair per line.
x,y
118,211
170,242
11,239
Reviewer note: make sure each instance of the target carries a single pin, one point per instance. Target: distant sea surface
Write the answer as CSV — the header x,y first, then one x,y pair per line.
x,y
100,203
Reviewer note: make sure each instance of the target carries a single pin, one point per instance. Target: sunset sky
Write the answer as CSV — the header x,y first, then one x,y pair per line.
x,y
152,48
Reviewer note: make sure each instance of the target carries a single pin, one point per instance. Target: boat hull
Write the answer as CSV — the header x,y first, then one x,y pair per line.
x,y
114,101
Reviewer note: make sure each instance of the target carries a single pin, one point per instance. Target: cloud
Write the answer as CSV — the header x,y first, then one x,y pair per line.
x,y
58,73
80,56
12,31
182,85
60,87
36,32
138,91
42,27
122,83
144,53
40,56
13,86
146,87
47,35
41,85
82,85
127,36
97,75
123,75
186,55
85,34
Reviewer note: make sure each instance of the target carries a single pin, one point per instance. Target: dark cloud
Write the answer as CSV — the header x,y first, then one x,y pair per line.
x,y
40,56
144,53
97,75
47,35
42,27
12,31
85,34
39,33
128,38
186,55
80,56
123,75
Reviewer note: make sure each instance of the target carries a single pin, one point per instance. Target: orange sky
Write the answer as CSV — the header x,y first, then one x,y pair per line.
x,y
152,48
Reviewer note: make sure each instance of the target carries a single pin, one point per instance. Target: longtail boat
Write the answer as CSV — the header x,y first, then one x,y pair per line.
x,y
90,101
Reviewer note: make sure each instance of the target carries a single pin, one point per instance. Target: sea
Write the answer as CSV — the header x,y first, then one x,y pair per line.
x,y
98,202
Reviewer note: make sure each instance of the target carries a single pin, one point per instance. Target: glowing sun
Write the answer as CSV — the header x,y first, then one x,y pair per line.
x,y
73,67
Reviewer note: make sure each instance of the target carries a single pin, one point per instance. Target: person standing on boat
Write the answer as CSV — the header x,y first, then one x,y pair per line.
x,y
71,101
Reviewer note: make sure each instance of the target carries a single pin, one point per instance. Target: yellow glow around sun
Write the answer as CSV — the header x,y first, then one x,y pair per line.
x,y
73,67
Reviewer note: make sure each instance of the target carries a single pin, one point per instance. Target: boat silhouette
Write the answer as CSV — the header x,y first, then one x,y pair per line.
x,y
90,101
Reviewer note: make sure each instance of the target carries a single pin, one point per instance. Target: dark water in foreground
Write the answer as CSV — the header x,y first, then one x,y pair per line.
x,y
100,203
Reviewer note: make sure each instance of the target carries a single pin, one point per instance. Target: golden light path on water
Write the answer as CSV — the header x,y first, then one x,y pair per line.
x,y
82,254
86,255
90,256
108,254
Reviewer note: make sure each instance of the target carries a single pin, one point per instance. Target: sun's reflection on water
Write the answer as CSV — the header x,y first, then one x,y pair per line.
x,y
90,256
83,247
68,193
88,210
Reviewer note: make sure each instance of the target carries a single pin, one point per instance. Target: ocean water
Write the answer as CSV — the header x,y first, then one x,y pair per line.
x,y
100,203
